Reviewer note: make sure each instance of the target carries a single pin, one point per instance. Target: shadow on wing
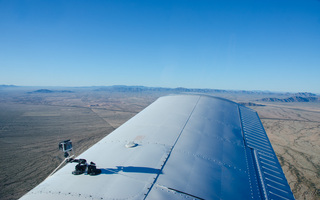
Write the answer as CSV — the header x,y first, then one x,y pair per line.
x,y
130,169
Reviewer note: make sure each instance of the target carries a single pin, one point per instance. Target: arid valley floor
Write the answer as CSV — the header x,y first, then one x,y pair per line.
x,y
33,122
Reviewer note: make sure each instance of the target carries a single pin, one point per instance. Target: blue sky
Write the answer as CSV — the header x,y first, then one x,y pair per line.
x,y
248,45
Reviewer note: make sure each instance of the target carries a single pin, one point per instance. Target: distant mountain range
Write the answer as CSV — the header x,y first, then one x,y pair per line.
x,y
305,94
124,88
7,86
289,97
46,91
292,99
250,104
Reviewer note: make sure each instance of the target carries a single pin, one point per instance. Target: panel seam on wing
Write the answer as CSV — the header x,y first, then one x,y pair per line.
x,y
178,191
155,180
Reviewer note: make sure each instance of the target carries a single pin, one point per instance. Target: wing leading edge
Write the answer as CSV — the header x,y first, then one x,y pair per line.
x,y
183,146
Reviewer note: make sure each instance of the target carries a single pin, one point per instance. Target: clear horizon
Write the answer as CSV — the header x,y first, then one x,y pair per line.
x,y
229,45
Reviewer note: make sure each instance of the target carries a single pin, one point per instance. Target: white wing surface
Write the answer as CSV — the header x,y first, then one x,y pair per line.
x,y
184,146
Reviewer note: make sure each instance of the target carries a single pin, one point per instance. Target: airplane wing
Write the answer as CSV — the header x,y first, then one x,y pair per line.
x,y
179,147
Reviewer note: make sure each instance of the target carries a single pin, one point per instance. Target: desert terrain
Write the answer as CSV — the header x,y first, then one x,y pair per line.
x,y
33,121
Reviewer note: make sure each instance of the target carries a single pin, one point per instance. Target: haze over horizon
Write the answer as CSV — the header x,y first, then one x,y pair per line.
x,y
249,45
